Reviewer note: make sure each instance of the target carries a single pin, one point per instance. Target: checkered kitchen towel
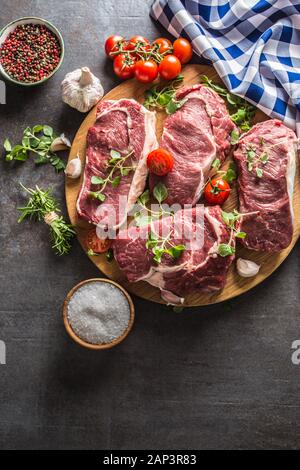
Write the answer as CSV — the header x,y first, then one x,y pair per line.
x,y
253,44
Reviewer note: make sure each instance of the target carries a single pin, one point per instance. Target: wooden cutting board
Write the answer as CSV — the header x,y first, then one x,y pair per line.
x,y
235,284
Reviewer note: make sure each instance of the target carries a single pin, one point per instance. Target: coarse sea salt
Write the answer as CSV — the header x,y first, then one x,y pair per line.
x,y
98,312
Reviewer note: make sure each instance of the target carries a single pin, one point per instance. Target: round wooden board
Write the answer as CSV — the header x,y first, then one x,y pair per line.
x,y
235,285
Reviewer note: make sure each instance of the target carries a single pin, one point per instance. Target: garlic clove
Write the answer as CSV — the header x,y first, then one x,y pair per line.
x,y
247,268
74,168
60,143
86,77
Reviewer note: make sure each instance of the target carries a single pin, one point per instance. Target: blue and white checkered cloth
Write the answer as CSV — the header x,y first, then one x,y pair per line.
x,y
254,46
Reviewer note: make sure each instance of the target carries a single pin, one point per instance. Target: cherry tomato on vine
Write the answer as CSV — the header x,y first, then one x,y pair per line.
x,y
124,66
216,191
164,45
146,71
98,245
182,48
169,67
131,44
160,162
111,45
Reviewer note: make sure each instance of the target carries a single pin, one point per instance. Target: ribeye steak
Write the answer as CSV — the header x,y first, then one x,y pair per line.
x,y
123,126
198,269
195,135
266,159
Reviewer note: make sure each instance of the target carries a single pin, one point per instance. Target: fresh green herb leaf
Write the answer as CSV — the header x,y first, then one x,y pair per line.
x,y
234,137
142,220
145,197
230,174
176,251
48,131
160,192
116,181
259,172
241,235
174,105
97,180
225,250
216,164
36,129
115,154
264,158
7,145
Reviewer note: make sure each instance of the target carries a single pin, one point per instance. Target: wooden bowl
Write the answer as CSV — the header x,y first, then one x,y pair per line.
x,y
80,341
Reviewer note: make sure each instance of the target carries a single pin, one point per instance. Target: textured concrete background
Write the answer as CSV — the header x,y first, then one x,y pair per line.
x,y
213,377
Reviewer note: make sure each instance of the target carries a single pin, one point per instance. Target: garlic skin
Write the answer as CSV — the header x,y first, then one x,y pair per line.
x,y
81,89
74,168
247,268
60,143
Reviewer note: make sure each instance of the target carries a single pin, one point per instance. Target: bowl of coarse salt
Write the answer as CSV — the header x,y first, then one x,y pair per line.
x,y
98,313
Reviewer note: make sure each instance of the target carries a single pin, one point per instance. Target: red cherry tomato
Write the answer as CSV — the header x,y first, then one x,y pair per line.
x,y
216,191
98,245
146,71
124,66
182,48
164,45
169,67
160,162
111,45
131,44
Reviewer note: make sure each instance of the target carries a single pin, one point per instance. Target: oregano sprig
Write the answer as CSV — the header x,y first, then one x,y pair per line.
x,y
116,168
163,97
146,216
38,141
241,111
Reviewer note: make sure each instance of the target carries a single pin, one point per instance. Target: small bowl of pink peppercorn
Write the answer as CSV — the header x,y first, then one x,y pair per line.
x,y
31,51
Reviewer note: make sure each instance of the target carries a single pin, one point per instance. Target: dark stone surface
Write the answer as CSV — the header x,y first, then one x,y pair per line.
x,y
213,377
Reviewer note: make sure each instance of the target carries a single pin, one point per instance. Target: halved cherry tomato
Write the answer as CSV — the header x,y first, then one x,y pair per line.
x,y
124,66
182,48
146,71
164,45
216,191
160,162
169,67
98,245
111,45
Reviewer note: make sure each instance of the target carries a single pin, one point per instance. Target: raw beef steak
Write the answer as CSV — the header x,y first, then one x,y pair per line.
x,y
266,160
198,269
195,135
124,126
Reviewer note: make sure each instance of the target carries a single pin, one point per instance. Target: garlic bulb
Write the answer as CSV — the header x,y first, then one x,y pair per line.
x,y
247,268
74,168
81,89
60,143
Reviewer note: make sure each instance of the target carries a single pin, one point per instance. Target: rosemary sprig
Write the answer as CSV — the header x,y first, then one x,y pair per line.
x,y
36,140
42,206
241,111
115,164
